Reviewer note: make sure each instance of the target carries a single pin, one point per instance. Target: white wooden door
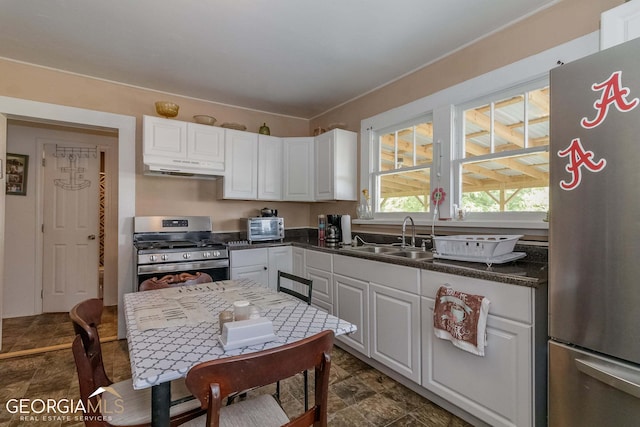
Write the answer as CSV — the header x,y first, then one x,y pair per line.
x,y
269,168
352,304
395,329
70,224
280,259
241,163
298,169
324,148
3,171
206,143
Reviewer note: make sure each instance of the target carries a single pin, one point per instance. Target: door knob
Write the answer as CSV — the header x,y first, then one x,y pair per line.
x,y
91,237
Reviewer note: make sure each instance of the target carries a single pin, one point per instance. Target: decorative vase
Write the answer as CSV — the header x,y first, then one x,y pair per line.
x,y
264,129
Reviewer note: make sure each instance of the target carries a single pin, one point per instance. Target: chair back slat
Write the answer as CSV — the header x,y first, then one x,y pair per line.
x,y
307,284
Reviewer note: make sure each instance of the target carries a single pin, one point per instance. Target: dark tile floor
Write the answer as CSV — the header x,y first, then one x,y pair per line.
x,y
359,395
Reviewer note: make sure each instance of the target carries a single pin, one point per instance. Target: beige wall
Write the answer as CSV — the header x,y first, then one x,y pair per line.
x,y
565,21
158,195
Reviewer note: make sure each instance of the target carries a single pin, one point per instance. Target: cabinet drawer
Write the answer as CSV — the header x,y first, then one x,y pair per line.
x,y
319,260
509,301
395,276
244,257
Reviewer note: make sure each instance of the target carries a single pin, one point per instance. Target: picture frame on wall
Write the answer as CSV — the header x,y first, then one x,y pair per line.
x,y
17,170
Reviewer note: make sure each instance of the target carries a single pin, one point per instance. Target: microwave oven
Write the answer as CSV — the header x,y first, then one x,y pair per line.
x,y
260,229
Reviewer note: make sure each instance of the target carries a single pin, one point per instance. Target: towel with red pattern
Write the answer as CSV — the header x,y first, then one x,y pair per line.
x,y
462,319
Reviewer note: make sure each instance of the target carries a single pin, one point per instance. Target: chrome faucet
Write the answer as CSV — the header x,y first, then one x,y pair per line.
x,y
413,231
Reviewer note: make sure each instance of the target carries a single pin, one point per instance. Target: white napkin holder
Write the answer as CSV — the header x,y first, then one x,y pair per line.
x,y
243,333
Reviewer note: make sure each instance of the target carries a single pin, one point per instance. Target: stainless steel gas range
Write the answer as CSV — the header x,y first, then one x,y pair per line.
x,y
177,244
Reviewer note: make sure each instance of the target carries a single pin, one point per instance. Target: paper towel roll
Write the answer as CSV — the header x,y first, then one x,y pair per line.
x,y
346,229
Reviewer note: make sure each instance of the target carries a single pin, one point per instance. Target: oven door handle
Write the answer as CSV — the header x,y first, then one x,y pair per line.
x,y
182,266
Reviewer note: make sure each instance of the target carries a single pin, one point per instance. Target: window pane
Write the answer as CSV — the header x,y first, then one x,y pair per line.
x,y
508,124
538,115
509,184
407,147
477,135
404,191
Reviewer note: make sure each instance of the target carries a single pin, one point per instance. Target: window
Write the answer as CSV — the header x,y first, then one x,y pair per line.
x,y
503,162
491,139
403,172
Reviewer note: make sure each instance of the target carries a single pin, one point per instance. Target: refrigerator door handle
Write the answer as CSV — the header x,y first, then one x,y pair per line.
x,y
609,376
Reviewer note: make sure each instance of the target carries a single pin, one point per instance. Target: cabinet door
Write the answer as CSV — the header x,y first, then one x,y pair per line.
x,y
206,143
257,273
280,258
164,138
322,290
395,329
351,303
298,169
269,168
620,24
241,162
323,159
298,261
496,388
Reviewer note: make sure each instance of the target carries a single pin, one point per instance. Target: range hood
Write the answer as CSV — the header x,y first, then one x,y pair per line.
x,y
181,168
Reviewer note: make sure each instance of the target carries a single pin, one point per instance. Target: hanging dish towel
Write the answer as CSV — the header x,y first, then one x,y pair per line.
x,y
462,319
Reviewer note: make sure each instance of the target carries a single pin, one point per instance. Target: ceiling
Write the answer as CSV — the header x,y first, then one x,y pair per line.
x,y
293,57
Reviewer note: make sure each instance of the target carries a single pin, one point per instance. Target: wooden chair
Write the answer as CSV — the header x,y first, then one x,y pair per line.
x,y
131,407
211,382
306,284
171,280
304,295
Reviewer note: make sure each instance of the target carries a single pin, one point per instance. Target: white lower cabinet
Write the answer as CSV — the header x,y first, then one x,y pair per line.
x,y
298,261
250,264
261,264
280,259
395,329
498,387
319,268
352,304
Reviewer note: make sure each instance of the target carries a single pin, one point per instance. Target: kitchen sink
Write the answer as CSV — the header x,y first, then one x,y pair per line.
x,y
416,254
374,249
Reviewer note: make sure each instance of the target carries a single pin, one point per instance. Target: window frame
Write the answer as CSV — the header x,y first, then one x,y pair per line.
x,y
442,105
377,173
458,159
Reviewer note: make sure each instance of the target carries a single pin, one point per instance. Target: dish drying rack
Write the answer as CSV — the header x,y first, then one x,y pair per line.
x,y
489,249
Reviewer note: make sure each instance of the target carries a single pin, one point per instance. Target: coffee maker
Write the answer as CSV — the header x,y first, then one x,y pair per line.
x,y
335,221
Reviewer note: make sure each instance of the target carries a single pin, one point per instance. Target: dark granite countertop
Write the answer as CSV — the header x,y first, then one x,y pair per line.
x,y
530,271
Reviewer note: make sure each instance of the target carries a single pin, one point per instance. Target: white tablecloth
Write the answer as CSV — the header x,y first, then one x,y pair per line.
x,y
167,353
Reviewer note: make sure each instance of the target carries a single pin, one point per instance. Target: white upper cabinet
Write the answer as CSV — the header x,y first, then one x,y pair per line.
x,y
176,146
620,24
298,169
269,167
336,165
241,158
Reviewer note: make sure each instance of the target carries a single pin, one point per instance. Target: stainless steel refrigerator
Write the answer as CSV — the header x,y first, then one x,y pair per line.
x,y
594,265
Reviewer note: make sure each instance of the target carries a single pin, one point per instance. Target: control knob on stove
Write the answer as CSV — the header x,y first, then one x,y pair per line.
x,y
206,254
164,257
216,253
153,258
186,255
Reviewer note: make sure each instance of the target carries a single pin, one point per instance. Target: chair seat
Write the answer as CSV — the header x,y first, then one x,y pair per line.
x,y
135,405
259,411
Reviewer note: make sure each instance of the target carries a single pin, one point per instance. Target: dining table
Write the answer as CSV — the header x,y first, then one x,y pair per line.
x,y
173,329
